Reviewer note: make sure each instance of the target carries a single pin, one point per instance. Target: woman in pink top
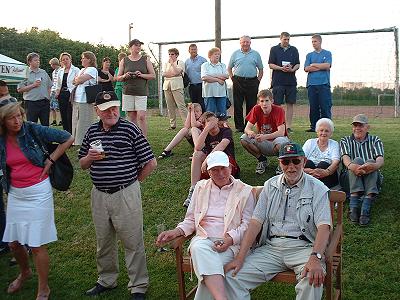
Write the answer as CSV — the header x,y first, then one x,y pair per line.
x,y
30,211
219,213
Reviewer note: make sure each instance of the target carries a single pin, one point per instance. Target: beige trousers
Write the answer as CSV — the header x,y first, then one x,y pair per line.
x,y
83,116
120,214
173,99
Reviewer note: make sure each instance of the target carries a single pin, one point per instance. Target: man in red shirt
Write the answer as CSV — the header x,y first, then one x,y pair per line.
x,y
271,130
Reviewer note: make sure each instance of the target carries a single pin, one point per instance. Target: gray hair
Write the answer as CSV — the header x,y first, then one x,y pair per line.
x,y
245,37
325,121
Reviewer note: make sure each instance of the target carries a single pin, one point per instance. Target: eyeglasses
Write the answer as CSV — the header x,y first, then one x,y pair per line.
x,y
7,101
287,161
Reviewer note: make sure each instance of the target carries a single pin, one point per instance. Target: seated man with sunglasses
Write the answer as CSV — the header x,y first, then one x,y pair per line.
x,y
293,216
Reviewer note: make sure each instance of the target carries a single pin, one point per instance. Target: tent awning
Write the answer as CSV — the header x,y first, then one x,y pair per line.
x,y
11,70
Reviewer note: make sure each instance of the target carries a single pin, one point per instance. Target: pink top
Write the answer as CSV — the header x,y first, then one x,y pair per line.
x,y
23,172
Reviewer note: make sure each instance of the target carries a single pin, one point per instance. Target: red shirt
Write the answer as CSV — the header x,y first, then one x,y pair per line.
x,y
267,123
23,172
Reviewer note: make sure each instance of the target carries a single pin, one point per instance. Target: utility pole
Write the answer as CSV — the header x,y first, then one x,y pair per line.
x,y
218,24
130,29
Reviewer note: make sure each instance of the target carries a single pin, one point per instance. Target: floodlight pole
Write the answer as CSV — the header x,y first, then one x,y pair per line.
x,y
130,29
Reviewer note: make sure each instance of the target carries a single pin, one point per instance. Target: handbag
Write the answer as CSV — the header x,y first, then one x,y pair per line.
x,y
92,91
186,79
61,171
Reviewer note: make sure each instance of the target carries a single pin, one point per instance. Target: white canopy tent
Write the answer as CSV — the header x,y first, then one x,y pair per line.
x,y
11,70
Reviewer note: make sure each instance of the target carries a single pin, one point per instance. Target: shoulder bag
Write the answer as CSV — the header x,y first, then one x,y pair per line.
x,y
92,91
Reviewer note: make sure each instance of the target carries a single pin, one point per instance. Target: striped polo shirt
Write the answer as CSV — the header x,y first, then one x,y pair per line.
x,y
126,150
370,148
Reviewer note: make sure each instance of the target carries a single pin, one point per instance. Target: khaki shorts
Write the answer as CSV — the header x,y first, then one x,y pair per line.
x,y
134,103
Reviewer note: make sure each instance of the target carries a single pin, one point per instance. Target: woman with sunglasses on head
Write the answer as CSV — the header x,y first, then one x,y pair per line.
x,y
136,70
322,154
30,210
83,113
173,87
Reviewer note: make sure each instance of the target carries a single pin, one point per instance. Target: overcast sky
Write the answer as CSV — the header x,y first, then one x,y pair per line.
x,y
154,21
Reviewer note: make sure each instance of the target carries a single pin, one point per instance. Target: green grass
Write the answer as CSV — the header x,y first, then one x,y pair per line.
x,y
371,255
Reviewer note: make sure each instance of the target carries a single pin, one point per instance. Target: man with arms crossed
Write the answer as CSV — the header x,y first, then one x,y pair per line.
x,y
284,62
118,163
294,218
193,70
242,69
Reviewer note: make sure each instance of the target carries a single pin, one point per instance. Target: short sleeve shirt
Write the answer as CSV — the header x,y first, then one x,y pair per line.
x,y
267,123
313,153
212,141
40,92
80,94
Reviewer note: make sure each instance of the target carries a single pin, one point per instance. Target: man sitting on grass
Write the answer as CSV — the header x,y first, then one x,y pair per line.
x,y
362,154
271,130
212,138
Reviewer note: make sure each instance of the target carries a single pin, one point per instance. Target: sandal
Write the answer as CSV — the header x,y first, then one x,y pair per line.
x,y
166,154
18,283
43,296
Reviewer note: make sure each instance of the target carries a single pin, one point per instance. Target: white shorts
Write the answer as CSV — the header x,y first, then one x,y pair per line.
x,y
134,103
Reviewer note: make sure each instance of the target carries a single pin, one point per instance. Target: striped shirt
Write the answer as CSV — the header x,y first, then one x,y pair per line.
x,y
370,148
126,150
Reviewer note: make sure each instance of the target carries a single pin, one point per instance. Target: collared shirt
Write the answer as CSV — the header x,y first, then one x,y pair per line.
x,y
370,148
245,64
277,56
319,77
126,150
213,89
40,92
193,68
284,223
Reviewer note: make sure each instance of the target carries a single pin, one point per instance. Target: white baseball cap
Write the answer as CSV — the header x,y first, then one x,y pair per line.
x,y
217,159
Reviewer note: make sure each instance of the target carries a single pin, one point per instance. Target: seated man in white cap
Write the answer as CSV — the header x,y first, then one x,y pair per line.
x,y
219,212
362,155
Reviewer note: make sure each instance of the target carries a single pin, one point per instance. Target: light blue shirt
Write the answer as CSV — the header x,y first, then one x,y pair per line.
x,y
213,89
245,64
193,68
318,77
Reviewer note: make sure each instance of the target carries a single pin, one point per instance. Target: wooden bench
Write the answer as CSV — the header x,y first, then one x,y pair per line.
x,y
333,256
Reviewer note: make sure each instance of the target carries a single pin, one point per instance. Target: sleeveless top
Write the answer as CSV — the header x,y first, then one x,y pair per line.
x,y
136,86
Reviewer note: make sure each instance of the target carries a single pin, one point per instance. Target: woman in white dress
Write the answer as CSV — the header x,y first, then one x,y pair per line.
x,y
322,154
30,211
83,113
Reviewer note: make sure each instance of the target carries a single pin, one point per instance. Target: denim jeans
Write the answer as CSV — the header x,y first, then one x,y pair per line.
x,y
216,105
320,99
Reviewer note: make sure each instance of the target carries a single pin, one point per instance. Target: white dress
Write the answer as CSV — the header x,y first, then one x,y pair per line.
x,y
30,215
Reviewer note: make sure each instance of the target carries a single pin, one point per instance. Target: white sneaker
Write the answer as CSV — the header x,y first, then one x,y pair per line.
x,y
261,166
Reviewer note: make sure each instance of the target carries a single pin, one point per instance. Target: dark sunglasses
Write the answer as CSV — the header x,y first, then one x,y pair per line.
x,y
287,161
7,101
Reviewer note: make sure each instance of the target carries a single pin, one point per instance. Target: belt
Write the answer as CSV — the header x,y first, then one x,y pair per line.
x,y
196,83
114,189
301,237
246,78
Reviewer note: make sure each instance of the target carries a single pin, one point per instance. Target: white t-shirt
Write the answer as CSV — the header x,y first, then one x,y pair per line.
x,y
313,153
80,94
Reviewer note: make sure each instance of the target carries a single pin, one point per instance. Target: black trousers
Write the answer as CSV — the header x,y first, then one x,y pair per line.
x,y
195,93
329,181
65,110
38,110
244,91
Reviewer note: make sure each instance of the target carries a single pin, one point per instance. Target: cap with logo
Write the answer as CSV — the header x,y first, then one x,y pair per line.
x,y
217,159
290,150
105,100
360,118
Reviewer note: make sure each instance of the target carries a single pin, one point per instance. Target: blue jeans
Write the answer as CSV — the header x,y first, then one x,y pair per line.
x,y
216,105
320,99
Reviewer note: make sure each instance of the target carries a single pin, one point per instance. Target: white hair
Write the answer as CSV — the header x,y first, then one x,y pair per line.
x,y
325,121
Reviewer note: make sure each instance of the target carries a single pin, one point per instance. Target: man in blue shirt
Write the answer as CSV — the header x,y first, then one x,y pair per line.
x,y
192,69
284,62
318,64
242,69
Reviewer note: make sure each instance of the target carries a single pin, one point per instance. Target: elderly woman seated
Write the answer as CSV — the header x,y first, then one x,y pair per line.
x,y
323,154
219,213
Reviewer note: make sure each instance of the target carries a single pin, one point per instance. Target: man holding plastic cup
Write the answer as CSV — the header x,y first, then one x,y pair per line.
x,y
116,199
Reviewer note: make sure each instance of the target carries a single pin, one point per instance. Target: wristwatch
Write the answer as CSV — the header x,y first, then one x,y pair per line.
x,y
318,255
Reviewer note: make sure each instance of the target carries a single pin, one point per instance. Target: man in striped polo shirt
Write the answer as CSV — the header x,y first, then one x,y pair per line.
x,y
119,158
362,154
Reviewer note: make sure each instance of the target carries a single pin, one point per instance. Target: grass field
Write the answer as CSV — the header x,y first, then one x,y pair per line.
x,y
371,255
